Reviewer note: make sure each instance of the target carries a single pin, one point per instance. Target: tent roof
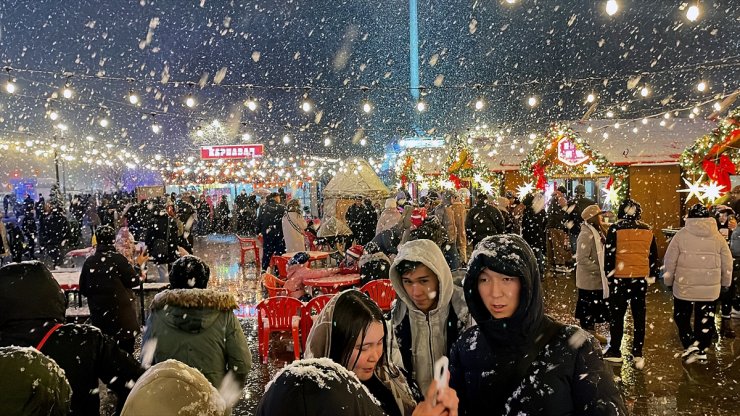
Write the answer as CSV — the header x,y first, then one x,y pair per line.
x,y
651,143
360,180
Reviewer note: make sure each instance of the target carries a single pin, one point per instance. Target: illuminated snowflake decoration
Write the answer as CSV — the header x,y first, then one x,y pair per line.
x,y
694,189
712,192
590,169
524,190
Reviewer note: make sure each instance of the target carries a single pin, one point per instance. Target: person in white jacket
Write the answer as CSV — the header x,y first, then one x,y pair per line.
x,y
698,265
294,226
389,217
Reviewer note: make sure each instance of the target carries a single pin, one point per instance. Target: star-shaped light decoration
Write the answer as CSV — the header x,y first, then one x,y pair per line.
x,y
447,184
486,187
525,190
590,168
611,195
712,192
424,184
694,189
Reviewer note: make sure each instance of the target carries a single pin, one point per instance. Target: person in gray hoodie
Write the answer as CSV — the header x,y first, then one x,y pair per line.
x,y
430,312
698,266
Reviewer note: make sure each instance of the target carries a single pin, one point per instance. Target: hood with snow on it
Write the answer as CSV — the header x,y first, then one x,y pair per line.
x,y
429,254
28,292
317,387
32,384
510,255
193,310
172,387
701,227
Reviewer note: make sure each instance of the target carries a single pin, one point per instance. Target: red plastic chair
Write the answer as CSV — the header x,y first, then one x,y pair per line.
x,y
312,308
274,285
250,244
381,291
278,314
280,264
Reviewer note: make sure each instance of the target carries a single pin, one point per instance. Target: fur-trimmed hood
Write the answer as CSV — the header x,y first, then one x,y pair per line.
x,y
195,299
192,310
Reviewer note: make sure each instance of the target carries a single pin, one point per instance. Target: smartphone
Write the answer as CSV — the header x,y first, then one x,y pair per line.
x,y
441,376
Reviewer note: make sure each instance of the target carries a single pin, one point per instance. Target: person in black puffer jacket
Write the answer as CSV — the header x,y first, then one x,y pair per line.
x,y
488,368
534,223
270,225
82,351
161,241
483,220
107,279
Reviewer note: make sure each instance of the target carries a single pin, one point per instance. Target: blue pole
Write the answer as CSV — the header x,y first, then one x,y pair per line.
x,y
414,59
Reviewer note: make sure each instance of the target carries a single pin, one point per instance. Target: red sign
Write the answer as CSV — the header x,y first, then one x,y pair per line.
x,y
569,154
236,151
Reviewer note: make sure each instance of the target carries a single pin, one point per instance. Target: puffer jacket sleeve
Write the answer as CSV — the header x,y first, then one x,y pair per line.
x,y
117,368
610,250
735,243
670,261
457,377
726,261
238,357
593,390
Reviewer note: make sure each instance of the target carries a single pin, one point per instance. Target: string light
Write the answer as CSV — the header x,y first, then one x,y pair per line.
x,y
701,86
251,104
644,91
67,90
306,105
53,115
132,97
717,106
367,107
421,106
156,128
103,122
532,101
286,139
610,113
612,7
590,98
692,13
363,142
479,104
199,131
10,84
190,100
327,142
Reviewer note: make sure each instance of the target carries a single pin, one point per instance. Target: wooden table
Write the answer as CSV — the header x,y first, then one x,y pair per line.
x,y
333,283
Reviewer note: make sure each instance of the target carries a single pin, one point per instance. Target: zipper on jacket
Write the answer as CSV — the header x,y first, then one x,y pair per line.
x,y
431,353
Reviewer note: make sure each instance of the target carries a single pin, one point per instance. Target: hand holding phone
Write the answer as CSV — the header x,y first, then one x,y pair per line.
x,y
441,376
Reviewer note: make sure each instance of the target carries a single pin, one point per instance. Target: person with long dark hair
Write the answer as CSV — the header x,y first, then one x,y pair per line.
x,y
351,331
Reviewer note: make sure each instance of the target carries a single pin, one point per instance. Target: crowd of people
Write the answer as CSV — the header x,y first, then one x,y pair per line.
x,y
468,286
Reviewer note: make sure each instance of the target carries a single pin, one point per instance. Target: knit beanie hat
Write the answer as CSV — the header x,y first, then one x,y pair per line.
x,y
189,272
299,258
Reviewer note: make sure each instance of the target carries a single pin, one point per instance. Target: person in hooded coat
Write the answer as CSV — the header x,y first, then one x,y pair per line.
x,y
294,226
374,264
161,241
389,217
197,326
564,373
55,234
107,279
317,387
351,331
630,257
698,266
170,388
270,225
32,384
15,241
430,312
389,240
82,351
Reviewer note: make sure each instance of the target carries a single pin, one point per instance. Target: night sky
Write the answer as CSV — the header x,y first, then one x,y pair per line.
x,y
557,52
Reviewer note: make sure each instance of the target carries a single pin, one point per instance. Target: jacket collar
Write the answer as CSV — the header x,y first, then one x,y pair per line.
x,y
195,298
